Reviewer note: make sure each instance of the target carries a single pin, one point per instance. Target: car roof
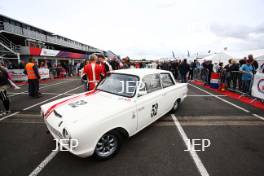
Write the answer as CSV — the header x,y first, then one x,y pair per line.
x,y
141,72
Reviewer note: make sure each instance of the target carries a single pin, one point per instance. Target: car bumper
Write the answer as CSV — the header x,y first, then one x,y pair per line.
x,y
66,148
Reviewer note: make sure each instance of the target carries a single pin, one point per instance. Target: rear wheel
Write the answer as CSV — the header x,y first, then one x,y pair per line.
x,y
108,145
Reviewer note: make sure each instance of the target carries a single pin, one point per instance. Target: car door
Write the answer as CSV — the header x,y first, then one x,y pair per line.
x,y
169,93
148,104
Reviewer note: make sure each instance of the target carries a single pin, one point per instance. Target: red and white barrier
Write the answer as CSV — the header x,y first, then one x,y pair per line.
x,y
214,81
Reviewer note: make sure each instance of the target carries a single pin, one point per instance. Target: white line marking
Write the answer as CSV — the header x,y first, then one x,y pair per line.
x,y
19,93
193,153
65,93
10,115
51,98
228,102
39,168
258,116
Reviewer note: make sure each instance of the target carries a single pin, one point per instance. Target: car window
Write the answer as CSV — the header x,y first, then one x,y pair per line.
x,y
152,82
166,80
119,84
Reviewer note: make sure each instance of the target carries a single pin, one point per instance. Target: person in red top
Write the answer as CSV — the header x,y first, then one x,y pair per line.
x,y
93,72
137,65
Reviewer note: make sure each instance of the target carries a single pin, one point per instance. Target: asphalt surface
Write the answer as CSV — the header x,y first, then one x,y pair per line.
x,y
235,131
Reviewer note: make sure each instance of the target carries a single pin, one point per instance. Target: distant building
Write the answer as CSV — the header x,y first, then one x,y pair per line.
x,y
19,41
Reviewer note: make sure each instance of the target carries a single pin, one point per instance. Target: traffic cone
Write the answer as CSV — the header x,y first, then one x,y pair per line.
x,y
222,87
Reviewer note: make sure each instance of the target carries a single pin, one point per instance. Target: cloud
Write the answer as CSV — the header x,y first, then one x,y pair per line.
x,y
168,4
237,31
260,28
239,37
146,52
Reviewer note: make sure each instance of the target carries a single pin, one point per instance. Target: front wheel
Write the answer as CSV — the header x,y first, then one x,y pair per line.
x,y
176,106
107,146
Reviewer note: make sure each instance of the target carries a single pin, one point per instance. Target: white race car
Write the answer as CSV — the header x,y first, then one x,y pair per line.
x,y
122,104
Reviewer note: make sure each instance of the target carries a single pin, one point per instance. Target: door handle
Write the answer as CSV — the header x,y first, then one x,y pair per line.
x,y
133,115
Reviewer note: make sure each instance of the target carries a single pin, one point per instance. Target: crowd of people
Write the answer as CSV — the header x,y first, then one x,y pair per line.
x,y
181,69
239,75
101,66
61,69
235,75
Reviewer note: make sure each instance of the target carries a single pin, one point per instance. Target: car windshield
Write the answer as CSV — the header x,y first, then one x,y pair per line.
x,y
119,84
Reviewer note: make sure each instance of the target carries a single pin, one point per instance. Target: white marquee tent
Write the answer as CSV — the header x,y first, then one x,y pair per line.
x,y
237,55
257,54
217,57
241,54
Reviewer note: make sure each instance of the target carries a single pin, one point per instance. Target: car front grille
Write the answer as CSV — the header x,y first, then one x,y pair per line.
x,y
54,131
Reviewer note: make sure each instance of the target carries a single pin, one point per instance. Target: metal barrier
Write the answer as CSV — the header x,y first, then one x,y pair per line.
x,y
230,80
235,83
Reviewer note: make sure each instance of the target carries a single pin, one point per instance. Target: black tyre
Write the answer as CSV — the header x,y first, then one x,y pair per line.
x,y
176,106
108,145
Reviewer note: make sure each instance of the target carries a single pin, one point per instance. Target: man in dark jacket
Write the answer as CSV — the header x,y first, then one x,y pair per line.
x,y
192,68
228,73
210,71
184,69
234,69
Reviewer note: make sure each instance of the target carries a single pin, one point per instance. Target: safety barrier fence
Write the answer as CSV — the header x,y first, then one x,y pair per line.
x,y
233,81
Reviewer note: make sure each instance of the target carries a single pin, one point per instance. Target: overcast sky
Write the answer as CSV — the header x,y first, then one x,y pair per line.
x,y
148,28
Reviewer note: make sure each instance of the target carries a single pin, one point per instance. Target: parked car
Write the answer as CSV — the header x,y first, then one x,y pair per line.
x,y
122,104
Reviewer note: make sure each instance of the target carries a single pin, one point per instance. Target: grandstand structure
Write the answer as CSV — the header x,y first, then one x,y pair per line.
x,y
19,41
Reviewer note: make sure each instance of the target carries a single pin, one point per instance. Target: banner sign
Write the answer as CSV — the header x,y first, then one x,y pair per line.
x,y
18,74
55,53
258,86
34,51
49,52
44,73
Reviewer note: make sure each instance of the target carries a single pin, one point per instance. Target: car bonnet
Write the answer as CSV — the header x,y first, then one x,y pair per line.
x,y
91,106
